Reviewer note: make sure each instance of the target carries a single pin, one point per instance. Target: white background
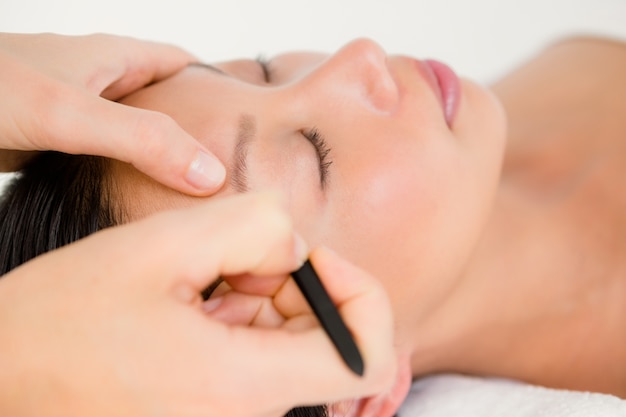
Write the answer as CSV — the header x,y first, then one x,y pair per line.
x,y
480,39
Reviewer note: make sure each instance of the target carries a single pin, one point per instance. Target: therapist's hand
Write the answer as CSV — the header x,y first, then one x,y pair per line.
x,y
57,94
114,325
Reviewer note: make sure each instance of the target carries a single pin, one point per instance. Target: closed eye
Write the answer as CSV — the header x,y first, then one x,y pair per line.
x,y
322,150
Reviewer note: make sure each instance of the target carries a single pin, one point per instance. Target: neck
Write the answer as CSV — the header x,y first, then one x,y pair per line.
x,y
524,308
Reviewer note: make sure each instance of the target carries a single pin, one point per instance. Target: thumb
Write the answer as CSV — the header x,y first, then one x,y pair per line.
x,y
153,142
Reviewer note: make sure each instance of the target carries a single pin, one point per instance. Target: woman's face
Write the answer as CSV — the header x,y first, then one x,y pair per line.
x,y
373,161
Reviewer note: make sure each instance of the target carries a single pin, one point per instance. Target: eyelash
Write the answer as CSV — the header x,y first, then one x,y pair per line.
x,y
321,148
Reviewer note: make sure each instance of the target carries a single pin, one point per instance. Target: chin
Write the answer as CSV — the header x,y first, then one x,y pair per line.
x,y
480,116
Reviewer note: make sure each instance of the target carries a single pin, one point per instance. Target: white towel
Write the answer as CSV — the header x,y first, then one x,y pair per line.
x,y
464,396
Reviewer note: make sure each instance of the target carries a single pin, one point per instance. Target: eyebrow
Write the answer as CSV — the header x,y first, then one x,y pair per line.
x,y
246,132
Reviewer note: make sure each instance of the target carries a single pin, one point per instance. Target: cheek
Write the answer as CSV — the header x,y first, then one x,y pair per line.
x,y
411,224
389,221
389,227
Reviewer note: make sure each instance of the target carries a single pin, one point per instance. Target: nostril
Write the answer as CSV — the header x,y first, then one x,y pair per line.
x,y
382,90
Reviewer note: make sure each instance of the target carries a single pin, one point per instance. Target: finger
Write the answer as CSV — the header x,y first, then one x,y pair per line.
x,y
267,285
251,301
309,357
100,63
235,308
287,297
153,142
248,233
145,62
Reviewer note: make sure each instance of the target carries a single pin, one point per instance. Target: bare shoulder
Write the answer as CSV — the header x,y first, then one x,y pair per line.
x,y
568,64
574,70
588,48
590,42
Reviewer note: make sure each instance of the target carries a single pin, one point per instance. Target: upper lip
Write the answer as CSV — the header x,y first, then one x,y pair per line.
x,y
431,79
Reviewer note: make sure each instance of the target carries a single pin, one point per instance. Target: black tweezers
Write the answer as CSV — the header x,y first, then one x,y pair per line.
x,y
309,283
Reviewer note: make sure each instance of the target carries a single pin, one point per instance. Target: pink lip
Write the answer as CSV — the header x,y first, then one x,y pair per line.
x,y
446,85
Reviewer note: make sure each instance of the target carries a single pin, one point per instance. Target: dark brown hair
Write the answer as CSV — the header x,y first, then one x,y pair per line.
x,y
55,200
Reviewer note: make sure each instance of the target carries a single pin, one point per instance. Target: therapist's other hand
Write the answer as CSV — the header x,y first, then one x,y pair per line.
x,y
114,325
57,94
276,302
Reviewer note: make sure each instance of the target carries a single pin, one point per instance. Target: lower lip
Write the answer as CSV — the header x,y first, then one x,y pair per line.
x,y
449,88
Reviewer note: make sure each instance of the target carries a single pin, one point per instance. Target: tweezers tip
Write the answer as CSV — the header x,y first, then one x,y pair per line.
x,y
357,366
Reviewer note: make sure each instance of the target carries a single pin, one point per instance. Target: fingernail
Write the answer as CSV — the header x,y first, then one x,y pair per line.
x,y
206,172
301,249
212,304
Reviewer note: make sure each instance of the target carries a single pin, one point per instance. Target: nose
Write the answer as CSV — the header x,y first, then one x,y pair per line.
x,y
359,71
